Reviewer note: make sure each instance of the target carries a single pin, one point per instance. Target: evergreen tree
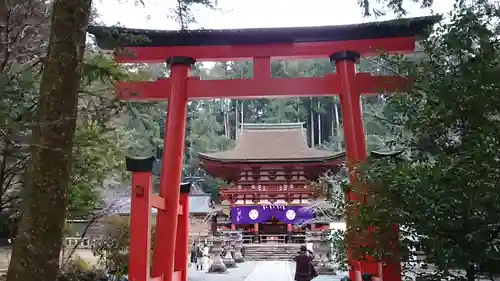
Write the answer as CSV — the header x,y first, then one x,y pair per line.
x,y
51,129
443,188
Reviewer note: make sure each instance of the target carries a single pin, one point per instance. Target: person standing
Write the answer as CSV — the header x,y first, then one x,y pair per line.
x,y
199,257
206,255
193,254
304,269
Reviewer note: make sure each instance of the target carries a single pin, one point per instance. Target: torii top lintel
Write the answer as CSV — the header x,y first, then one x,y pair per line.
x,y
297,42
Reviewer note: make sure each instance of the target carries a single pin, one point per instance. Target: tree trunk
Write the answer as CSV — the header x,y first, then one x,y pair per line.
x,y
470,272
36,250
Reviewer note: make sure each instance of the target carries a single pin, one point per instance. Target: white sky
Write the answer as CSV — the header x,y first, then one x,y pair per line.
x,y
248,13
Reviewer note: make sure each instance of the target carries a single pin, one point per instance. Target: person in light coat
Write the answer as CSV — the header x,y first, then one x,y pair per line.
x,y
206,255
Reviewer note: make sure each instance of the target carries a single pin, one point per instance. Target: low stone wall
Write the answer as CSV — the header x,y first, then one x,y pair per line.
x,y
85,254
4,258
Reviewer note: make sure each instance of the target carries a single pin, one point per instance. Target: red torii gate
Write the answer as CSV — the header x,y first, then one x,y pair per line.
x,y
181,49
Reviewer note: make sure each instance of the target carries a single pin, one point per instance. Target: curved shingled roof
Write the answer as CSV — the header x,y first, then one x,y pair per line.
x,y
108,37
285,142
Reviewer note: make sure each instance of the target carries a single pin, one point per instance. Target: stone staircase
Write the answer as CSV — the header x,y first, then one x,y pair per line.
x,y
275,252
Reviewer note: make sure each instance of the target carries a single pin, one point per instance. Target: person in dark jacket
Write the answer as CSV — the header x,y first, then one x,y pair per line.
x,y
194,252
304,270
199,257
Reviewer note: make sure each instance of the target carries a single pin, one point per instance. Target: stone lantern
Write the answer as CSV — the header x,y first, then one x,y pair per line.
x,y
218,265
238,256
228,257
321,249
234,243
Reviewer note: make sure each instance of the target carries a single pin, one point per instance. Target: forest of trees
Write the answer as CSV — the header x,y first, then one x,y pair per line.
x,y
212,124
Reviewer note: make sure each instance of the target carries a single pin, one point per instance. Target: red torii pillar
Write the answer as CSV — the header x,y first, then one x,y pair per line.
x,y
169,229
170,262
140,217
142,201
356,151
181,262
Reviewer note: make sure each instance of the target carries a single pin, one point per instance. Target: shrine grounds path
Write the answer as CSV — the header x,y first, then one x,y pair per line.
x,y
247,271
256,271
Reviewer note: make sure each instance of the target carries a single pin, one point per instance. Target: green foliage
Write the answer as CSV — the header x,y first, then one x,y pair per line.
x,y
100,140
113,249
206,134
97,149
142,131
212,124
16,109
381,7
339,245
183,13
97,156
79,270
443,190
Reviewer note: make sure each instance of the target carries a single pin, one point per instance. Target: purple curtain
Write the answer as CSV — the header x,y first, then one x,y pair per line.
x,y
262,213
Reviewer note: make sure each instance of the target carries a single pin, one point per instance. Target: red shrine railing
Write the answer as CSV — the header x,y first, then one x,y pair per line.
x,y
258,192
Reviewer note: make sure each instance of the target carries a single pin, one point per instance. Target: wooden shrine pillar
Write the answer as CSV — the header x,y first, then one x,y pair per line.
x,y
140,217
256,233
233,226
182,237
170,179
355,142
289,232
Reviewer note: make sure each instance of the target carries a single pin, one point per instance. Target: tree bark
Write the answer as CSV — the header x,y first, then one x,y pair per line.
x,y
36,250
470,272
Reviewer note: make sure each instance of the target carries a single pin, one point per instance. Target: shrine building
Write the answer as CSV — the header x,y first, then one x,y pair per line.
x,y
267,179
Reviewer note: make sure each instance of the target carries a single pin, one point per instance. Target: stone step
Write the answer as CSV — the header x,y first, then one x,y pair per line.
x,y
269,254
266,252
270,251
275,257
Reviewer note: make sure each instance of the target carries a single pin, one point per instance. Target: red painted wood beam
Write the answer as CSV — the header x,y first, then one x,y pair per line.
x,y
158,202
267,192
265,87
279,166
267,197
265,188
244,183
177,276
365,47
283,196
